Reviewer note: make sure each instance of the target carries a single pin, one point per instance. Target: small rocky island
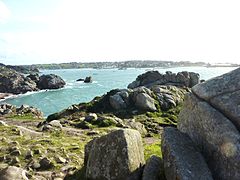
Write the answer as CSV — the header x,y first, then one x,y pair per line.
x,y
163,126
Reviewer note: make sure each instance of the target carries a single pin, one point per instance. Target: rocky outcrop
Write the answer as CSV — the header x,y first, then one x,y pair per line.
x,y
50,81
13,172
210,117
118,155
182,160
8,109
14,82
223,94
150,78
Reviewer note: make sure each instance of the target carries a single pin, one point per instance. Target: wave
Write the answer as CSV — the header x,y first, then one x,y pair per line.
x,y
14,96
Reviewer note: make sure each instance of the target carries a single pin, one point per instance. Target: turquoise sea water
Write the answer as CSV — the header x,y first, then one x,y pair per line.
x,y
103,80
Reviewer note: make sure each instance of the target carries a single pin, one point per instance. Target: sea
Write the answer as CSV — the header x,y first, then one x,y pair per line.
x,y
51,101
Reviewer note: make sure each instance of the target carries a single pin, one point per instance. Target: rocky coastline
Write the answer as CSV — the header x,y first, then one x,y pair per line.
x,y
163,126
14,82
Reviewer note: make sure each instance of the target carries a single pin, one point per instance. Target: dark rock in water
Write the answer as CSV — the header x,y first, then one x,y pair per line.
x,y
50,81
81,79
181,158
118,155
88,79
151,78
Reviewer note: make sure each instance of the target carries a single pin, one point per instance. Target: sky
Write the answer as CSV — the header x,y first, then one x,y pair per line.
x,y
54,31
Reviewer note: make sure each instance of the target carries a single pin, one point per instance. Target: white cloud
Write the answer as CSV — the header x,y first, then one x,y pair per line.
x,y
4,12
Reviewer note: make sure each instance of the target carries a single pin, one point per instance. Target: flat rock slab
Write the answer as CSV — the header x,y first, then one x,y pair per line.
x,y
214,134
182,160
115,156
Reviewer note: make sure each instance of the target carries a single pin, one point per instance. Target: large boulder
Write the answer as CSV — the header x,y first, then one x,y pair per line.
x,y
211,117
118,155
50,81
145,102
223,93
181,158
229,82
13,173
169,96
117,102
214,134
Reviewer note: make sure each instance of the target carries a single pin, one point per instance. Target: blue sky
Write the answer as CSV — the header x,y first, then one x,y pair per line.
x,y
53,31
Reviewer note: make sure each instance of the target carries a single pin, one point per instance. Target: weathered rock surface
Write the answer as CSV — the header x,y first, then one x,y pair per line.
x,y
118,155
13,173
50,81
181,158
223,93
14,82
214,134
226,83
150,78
117,102
153,169
145,102
211,117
